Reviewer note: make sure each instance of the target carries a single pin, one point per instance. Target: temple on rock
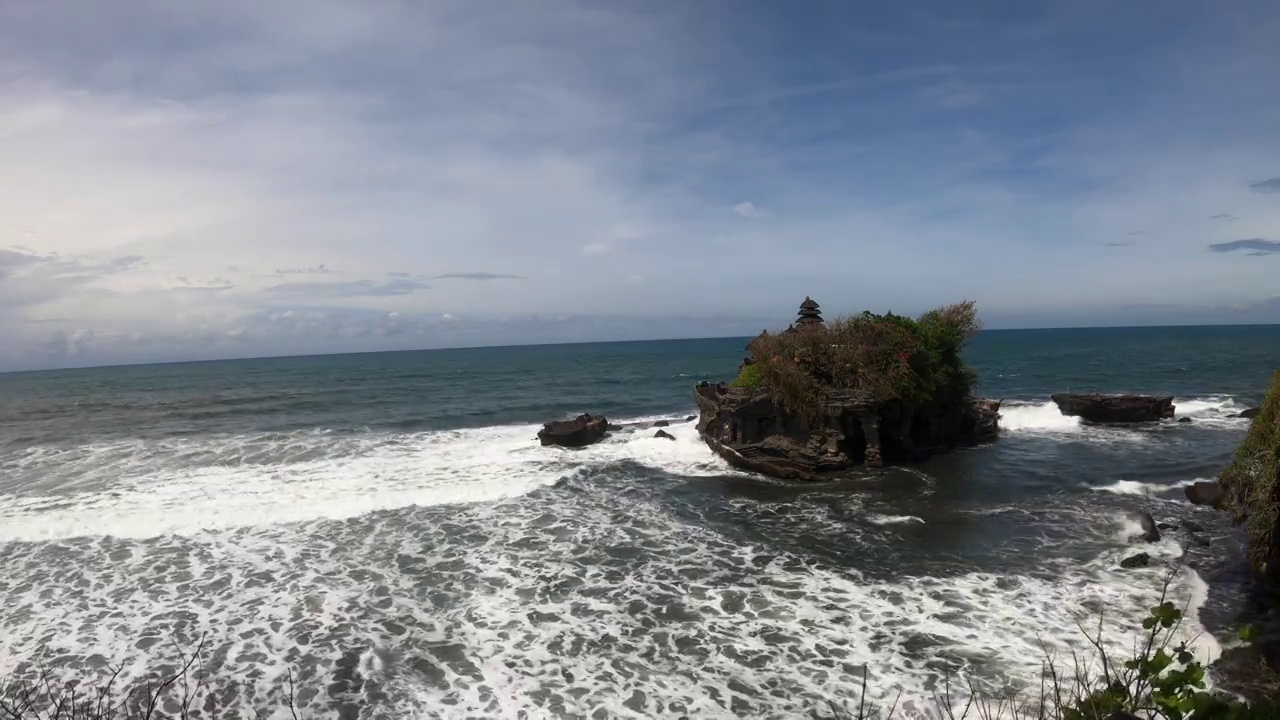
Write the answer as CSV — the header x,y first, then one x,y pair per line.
x,y
816,421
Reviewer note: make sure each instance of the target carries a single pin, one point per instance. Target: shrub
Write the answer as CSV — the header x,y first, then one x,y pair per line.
x,y
887,357
750,377
1252,483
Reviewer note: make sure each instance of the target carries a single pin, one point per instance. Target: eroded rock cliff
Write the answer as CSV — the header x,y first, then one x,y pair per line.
x,y
750,431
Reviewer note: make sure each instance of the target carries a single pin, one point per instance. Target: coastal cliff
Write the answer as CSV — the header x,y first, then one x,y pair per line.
x,y
866,390
1251,484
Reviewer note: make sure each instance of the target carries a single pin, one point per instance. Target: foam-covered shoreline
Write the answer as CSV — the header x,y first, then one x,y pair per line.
x,y
400,546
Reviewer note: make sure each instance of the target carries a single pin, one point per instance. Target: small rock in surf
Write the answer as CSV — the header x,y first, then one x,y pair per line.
x,y
1140,560
578,432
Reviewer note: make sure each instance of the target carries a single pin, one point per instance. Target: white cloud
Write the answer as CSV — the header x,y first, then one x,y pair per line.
x,y
747,210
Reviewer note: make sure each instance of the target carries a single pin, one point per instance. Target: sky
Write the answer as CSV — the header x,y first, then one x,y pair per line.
x,y
243,178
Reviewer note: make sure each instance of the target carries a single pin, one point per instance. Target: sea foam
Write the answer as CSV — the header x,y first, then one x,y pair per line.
x,y
1043,417
140,488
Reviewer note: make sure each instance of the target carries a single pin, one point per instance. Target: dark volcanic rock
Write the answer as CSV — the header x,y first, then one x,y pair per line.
x,y
1206,492
1184,419
1097,408
662,423
578,432
1140,560
750,432
613,427
985,417
1150,533
1250,414
664,434
691,418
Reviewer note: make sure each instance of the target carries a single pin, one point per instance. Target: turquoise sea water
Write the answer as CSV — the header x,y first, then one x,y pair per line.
x,y
386,526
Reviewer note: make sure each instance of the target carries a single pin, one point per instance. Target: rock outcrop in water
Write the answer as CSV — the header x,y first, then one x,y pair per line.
x,y
822,397
748,429
1205,492
578,432
1099,408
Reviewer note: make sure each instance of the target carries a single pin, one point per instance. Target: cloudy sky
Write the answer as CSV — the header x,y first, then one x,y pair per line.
x,y
240,177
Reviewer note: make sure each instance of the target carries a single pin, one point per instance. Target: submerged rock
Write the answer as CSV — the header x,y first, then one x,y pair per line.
x,y
1184,419
1249,414
1140,560
662,423
578,432
664,434
1099,408
1205,492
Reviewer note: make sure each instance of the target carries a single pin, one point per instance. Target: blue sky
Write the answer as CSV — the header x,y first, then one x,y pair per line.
x,y
244,178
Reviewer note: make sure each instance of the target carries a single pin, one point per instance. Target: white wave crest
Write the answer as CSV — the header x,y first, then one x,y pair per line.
x,y
1133,487
893,519
1207,406
1045,417
142,489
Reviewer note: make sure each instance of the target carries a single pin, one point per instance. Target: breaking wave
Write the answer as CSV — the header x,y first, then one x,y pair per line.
x,y
1133,487
142,488
1042,417
1046,418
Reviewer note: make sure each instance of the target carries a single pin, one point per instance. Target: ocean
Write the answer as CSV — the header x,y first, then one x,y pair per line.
x,y
385,531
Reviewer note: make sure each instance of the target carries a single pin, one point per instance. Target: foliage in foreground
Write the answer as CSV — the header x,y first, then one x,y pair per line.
x,y
1252,483
887,357
178,695
1162,681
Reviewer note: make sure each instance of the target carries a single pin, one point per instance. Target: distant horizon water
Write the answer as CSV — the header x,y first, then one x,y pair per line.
x,y
580,342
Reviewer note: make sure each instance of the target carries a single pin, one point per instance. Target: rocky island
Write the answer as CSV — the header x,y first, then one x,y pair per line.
x,y
820,398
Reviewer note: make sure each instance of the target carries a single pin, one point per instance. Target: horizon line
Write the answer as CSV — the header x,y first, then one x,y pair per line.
x,y
574,342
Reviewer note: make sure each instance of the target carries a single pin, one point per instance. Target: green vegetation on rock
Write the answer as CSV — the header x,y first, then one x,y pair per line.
x,y
887,357
750,378
1252,483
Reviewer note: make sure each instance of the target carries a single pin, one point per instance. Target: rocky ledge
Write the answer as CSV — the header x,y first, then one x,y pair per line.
x,y
750,432
1099,408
